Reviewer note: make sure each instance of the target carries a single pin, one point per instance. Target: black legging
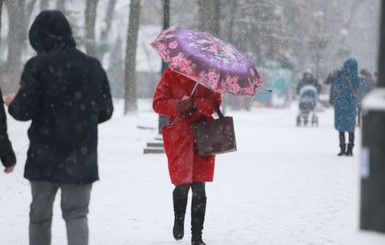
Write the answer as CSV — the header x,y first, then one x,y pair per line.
x,y
198,189
342,137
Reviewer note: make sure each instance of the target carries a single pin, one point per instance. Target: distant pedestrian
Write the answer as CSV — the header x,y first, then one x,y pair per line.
x,y
345,88
332,77
366,85
375,77
308,79
187,169
66,95
7,154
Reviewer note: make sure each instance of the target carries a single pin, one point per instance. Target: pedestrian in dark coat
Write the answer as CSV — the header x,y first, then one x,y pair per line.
x,y
308,79
66,94
7,154
345,89
367,84
173,97
332,77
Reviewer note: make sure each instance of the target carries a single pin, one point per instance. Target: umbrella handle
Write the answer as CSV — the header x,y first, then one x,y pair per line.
x,y
195,87
217,110
267,90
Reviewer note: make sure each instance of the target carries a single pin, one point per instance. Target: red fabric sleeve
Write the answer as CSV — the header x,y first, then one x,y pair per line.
x,y
205,107
163,103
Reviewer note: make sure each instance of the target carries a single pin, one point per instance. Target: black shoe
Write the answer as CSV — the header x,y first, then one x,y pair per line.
x,y
178,229
180,203
197,241
198,210
349,152
343,150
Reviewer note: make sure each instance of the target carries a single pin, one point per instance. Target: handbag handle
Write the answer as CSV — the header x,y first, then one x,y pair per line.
x,y
217,110
219,113
352,87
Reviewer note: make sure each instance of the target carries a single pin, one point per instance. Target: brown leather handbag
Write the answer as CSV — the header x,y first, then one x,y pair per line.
x,y
215,136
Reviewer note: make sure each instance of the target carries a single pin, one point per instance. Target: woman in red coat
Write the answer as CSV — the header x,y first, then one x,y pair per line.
x,y
186,168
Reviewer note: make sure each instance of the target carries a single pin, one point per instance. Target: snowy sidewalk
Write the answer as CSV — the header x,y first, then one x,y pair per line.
x,y
285,185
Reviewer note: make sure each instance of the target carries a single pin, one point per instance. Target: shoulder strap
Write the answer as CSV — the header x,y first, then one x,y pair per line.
x,y
217,110
352,87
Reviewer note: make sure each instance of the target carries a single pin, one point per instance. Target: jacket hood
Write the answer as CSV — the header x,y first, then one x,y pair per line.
x,y
50,30
351,67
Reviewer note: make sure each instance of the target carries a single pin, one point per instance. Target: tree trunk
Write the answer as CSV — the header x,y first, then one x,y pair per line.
x,y
233,6
11,71
90,17
209,16
1,15
130,67
15,37
105,30
116,69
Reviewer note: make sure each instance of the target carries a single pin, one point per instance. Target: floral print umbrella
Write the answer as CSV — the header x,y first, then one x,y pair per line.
x,y
214,63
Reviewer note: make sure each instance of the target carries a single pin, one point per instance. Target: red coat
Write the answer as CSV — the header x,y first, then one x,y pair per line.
x,y
184,164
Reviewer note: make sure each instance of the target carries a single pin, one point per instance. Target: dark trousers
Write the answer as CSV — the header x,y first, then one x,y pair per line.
x,y
75,200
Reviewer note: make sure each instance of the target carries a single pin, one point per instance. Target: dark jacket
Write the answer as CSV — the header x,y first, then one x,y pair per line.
x,y
66,94
366,86
312,82
7,155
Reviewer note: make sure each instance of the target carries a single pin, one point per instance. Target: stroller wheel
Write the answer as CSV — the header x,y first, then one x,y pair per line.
x,y
315,120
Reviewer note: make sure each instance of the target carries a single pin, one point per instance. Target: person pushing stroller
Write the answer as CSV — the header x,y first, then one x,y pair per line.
x,y
308,90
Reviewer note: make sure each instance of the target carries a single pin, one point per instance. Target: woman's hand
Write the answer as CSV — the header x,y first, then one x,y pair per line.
x,y
9,98
8,170
186,107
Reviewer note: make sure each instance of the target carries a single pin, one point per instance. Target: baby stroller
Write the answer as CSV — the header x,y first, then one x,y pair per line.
x,y
308,97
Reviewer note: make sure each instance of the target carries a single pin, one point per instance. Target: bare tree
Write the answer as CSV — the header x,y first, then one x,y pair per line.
x,y
90,17
16,36
130,67
19,13
1,15
209,16
115,71
105,30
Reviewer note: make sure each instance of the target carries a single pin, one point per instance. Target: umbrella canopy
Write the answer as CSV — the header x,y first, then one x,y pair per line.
x,y
214,63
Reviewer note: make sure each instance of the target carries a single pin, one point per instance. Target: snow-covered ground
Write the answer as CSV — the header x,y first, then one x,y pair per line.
x,y
285,185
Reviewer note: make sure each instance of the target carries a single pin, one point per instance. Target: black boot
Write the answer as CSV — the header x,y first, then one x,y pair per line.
x,y
342,143
349,152
180,203
198,210
343,150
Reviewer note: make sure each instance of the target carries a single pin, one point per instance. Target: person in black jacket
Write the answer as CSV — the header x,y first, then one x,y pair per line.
x,y
308,79
66,94
7,155
367,84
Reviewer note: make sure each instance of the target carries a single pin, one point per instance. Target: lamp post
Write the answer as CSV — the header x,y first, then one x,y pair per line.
x,y
372,208
166,24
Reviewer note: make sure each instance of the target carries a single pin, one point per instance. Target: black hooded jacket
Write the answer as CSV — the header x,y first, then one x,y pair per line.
x,y
66,94
7,154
